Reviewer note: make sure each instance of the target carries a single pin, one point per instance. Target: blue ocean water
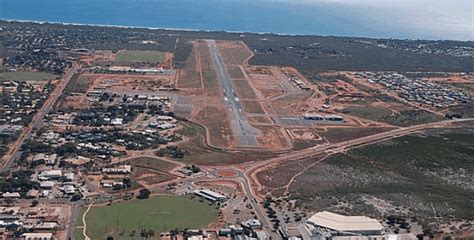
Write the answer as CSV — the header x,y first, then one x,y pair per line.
x,y
408,19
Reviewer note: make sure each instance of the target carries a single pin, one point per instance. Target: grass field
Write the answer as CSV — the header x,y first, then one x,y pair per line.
x,y
189,76
201,154
159,213
235,72
26,76
210,81
79,225
140,56
153,163
233,53
252,107
244,90
218,124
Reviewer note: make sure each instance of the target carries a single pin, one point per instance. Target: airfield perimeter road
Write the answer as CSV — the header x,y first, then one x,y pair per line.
x,y
244,133
256,167
15,153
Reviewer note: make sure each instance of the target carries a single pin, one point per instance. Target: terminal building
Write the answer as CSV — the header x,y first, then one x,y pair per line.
x,y
210,195
328,223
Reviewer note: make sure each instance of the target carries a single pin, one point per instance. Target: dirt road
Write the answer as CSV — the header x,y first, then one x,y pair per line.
x,y
252,171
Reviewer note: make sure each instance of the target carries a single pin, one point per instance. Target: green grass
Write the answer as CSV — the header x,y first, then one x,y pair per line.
x,y
159,213
153,163
78,234
140,56
26,76
78,231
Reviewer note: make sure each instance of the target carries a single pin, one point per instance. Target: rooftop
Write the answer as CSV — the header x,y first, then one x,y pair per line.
x,y
345,223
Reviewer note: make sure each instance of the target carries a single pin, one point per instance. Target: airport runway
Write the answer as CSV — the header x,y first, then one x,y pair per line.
x,y
244,133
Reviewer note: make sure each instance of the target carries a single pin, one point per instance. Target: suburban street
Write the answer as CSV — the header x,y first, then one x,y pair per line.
x,y
15,152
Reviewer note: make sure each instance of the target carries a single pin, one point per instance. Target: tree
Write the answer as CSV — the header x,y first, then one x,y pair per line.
x,y
127,182
110,238
76,197
144,194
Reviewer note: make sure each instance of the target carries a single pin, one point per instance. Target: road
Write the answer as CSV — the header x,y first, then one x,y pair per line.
x,y
15,153
72,222
253,169
212,175
247,173
244,133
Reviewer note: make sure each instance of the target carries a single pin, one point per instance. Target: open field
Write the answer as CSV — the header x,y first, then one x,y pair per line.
x,y
79,84
150,170
201,154
400,118
259,119
233,52
189,75
244,91
79,225
252,107
335,135
235,72
153,164
219,129
27,76
125,220
210,81
272,138
140,56
426,175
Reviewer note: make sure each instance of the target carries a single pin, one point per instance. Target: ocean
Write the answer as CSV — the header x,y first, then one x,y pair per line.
x,y
404,19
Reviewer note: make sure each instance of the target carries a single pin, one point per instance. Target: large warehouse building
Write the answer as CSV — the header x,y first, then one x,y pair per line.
x,y
336,224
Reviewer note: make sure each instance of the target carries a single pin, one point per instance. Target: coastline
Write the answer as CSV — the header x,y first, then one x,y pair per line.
x,y
211,31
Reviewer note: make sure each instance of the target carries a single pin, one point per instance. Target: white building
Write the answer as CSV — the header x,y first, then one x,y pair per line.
x,y
340,225
252,224
37,236
210,195
47,185
50,174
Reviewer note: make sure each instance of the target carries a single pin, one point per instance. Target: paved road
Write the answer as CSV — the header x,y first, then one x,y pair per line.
x,y
72,223
37,120
244,182
250,183
244,133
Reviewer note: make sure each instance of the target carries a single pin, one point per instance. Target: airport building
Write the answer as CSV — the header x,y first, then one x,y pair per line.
x,y
327,225
335,224
210,195
313,117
